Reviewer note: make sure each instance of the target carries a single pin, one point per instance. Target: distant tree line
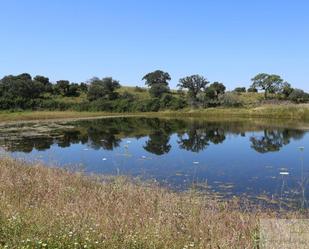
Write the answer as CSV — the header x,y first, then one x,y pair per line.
x,y
24,92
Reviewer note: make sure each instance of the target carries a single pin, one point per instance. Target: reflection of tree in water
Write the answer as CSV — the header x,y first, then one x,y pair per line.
x,y
28,144
69,137
194,140
193,135
198,138
158,143
274,140
105,139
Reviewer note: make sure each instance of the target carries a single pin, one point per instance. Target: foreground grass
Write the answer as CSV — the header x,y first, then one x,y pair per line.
x,y
50,208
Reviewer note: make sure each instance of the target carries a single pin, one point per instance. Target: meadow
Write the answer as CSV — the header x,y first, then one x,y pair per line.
x,y
44,207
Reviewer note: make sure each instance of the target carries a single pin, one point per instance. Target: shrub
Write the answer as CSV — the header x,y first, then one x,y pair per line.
x,y
252,90
230,100
240,90
298,96
139,89
157,90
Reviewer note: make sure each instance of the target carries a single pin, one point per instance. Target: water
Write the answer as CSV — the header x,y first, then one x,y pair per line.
x,y
258,159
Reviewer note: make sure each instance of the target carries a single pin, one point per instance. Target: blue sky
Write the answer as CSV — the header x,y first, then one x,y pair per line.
x,y
225,40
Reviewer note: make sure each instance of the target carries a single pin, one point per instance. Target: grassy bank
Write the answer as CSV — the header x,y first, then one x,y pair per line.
x,y
288,112
44,115
51,208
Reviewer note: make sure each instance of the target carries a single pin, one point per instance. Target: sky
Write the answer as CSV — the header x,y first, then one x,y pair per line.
x,y
224,40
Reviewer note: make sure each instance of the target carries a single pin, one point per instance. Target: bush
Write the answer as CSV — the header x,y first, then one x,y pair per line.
x,y
168,101
139,89
240,90
252,90
230,100
298,96
157,90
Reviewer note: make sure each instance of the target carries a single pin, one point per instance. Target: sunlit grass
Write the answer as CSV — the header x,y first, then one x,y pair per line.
x,y
42,207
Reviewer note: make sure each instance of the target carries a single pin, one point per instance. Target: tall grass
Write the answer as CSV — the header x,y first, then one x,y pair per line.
x,y
42,207
284,112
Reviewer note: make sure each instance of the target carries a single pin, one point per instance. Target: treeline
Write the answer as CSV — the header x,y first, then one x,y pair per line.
x,y
24,92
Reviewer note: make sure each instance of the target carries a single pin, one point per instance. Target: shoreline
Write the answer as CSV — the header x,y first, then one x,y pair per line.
x,y
57,206
271,112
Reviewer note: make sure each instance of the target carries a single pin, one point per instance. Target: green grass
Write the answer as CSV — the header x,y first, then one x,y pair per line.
x,y
43,207
284,112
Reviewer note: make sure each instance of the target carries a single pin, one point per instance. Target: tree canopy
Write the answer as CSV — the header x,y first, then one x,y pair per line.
x,y
157,77
158,83
104,88
269,83
194,83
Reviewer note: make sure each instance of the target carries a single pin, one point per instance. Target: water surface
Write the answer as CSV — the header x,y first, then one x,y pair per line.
x,y
261,160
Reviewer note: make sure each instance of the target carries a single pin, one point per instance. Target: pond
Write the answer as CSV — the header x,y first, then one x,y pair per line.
x,y
265,161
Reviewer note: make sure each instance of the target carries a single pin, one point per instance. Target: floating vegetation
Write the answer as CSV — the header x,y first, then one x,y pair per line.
x,y
284,173
226,186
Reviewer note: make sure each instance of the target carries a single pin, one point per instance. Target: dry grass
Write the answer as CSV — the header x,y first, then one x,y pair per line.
x,y
50,208
43,115
284,112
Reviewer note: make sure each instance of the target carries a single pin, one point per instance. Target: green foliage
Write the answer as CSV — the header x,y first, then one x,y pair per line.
x,y
20,86
83,87
22,92
62,87
252,90
269,83
230,99
48,86
158,83
214,90
157,77
298,96
104,88
139,89
195,84
240,90
157,90
287,90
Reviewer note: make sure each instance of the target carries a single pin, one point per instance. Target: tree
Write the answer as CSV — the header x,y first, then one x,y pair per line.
x,y
157,77
269,83
158,82
287,90
158,90
240,90
252,90
62,87
195,84
104,88
298,96
73,90
42,81
214,90
83,87
20,86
